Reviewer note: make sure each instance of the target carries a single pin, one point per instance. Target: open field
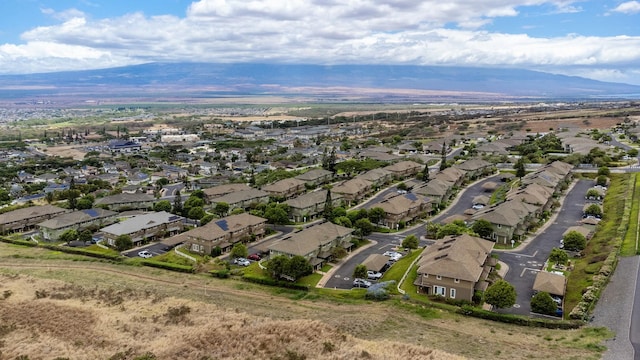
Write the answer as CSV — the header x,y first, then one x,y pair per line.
x,y
93,310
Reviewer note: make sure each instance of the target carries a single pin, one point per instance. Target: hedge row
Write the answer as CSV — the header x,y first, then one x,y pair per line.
x,y
167,266
80,251
18,242
518,320
273,282
222,274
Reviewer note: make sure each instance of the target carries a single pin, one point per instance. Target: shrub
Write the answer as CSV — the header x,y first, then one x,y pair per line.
x,y
18,242
542,303
222,274
273,282
167,266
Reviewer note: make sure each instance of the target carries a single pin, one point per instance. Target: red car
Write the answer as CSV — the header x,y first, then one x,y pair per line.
x,y
254,257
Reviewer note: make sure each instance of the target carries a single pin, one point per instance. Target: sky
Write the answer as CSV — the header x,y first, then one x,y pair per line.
x,y
594,39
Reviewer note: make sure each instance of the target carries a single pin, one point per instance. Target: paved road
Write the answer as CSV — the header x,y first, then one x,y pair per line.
x,y
155,248
525,264
342,277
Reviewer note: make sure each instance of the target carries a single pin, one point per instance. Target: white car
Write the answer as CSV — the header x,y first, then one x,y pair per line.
x,y
373,275
242,262
477,206
393,255
145,254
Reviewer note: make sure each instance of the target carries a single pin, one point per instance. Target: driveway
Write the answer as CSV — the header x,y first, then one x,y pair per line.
x,y
525,263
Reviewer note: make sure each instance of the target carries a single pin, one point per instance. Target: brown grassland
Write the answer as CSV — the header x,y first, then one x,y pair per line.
x,y
52,306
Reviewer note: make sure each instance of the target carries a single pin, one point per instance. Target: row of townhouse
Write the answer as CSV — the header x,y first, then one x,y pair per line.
x,y
224,233
525,205
144,228
315,243
50,230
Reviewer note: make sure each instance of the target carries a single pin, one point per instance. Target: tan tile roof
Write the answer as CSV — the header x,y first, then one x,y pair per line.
x,y
549,282
456,257
311,199
284,185
310,239
375,262
314,174
236,197
30,212
225,189
352,186
218,228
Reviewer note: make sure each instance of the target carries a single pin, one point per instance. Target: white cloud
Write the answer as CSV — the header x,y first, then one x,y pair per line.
x,y
63,15
315,31
629,7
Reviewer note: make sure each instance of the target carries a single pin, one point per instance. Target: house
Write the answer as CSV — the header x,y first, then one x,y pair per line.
x,y
124,146
476,168
144,228
286,188
224,233
551,283
404,169
242,199
308,206
438,190
316,177
377,177
315,243
26,218
376,262
50,230
352,190
455,267
583,230
123,201
220,190
508,220
452,175
404,208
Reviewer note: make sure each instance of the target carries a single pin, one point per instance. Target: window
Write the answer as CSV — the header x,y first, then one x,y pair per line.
x,y
456,281
452,293
499,226
439,290
438,277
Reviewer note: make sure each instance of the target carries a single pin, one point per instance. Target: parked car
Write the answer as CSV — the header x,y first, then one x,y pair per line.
x,y
373,275
254,257
477,206
145,254
241,262
393,255
361,283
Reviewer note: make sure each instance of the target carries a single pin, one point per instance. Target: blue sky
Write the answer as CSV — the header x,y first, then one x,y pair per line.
x,y
594,39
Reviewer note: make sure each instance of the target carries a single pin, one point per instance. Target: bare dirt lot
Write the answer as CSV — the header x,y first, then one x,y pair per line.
x,y
88,310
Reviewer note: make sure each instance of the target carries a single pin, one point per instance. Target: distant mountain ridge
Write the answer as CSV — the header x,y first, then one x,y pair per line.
x,y
208,79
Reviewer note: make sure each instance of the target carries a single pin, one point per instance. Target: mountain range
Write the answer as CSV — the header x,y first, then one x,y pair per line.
x,y
355,82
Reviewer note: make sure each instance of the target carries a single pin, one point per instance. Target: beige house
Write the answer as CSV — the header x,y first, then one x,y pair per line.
x,y
144,228
315,243
404,169
51,229
316,177
309,206
404,208
126,201
476,168
242,199
27,218
220,190
455,267
438,190
377,177
286,188
224,233
352,190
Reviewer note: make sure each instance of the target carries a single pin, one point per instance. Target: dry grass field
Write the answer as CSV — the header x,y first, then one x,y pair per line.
x,y
53,307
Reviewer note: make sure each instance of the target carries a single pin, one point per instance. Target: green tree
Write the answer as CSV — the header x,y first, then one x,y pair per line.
x,y
602,180
86,202
425,173
410,242
360,271
277,214
177,203
483,228
542,303
500,294
376,214
221,208
604,171
68,236
162,205
365,226
196,213
328,206
72,198
123,242
297,267
594,210
239,250
276,266
558,256
85,235
206,219
443,156
574,241
520,168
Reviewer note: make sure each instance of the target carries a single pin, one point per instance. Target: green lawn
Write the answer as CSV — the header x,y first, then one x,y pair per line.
x,y
398,269
171,257
326,268
310,280
629,245
99,249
